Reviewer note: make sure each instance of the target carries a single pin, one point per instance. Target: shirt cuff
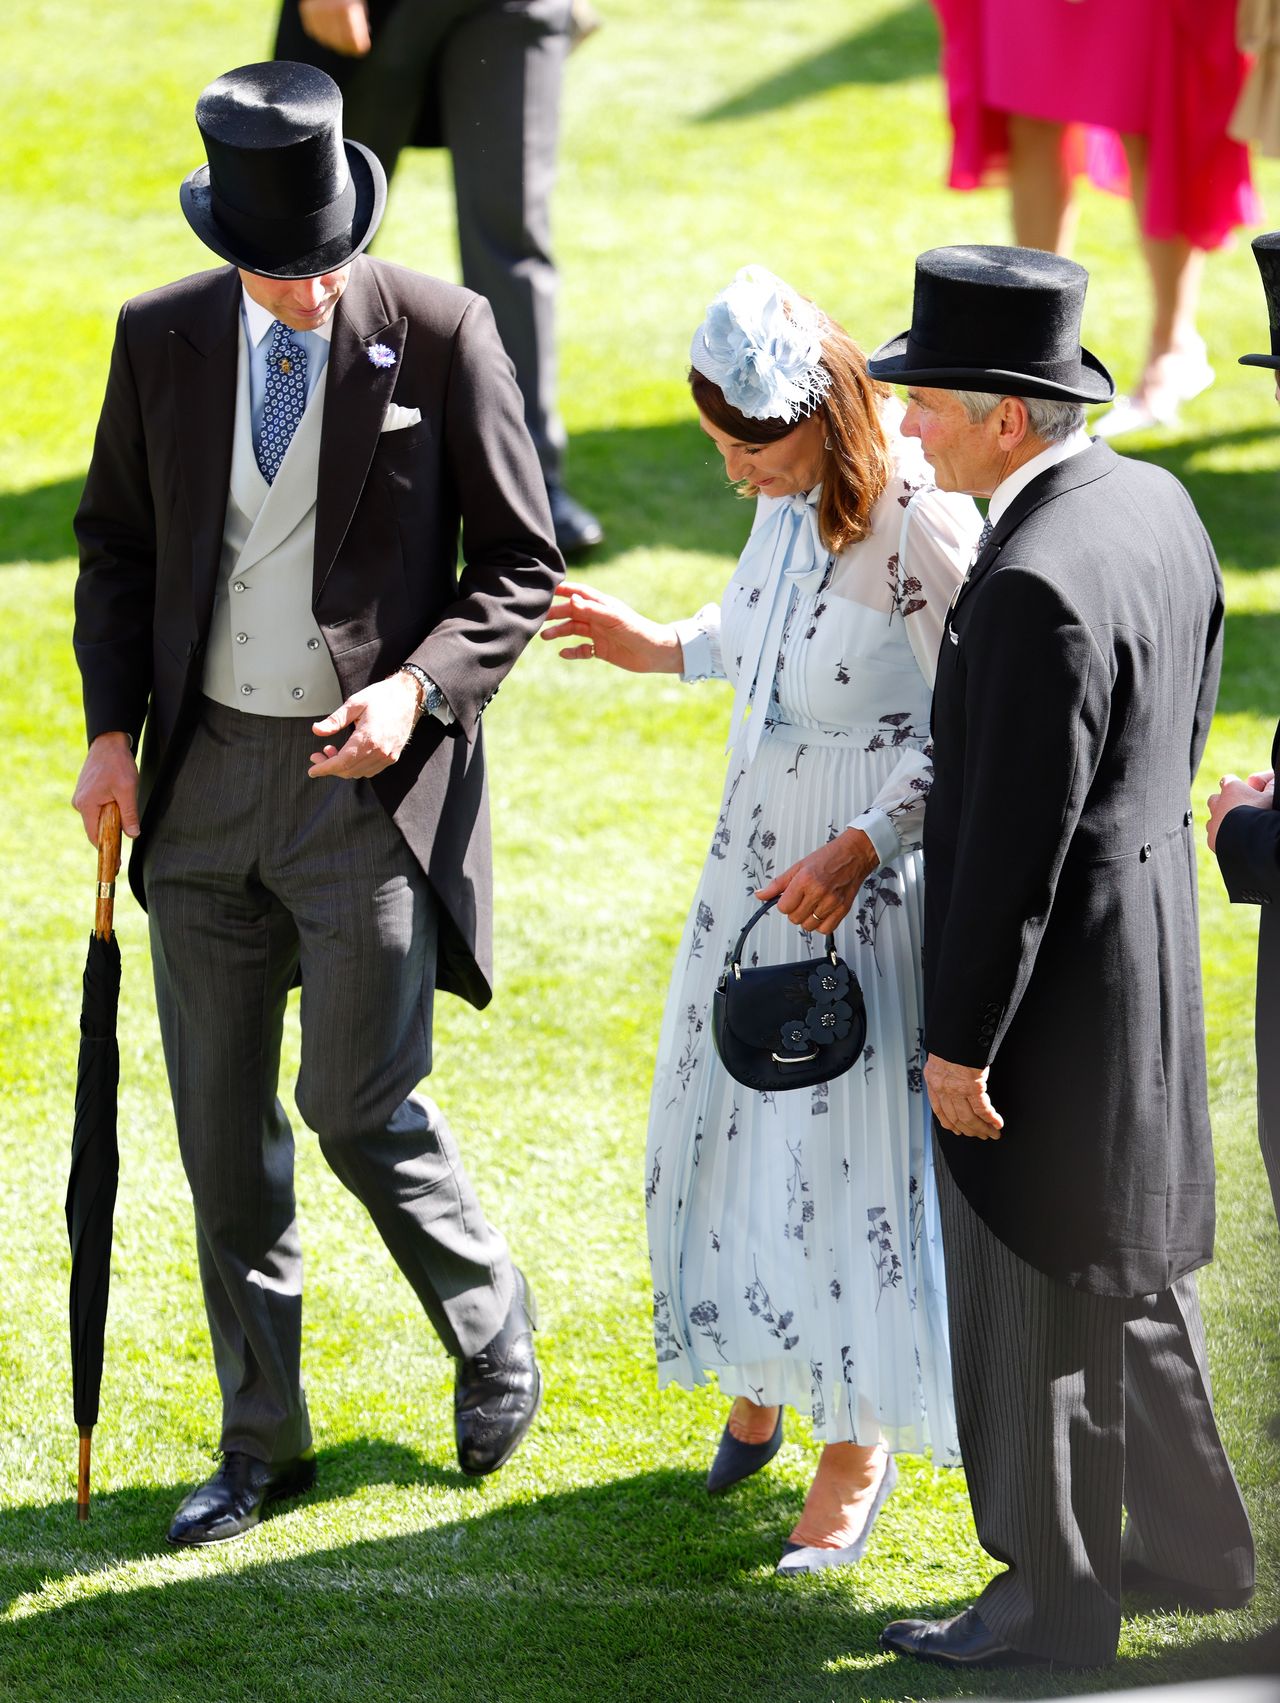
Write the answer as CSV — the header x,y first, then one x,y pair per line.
x,y
433,700
440,710
698,659
881,832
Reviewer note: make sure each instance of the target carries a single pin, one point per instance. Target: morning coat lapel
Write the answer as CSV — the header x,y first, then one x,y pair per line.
x,y
202,373
354,406
1092,463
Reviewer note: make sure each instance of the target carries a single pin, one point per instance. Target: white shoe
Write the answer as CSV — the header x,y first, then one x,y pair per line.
x,y
1184,373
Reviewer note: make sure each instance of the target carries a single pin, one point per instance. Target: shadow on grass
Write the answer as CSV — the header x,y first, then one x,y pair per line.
x,y
1251,644
657,485
638,1588
895,48
126,1525
664,485
651,485
1237,505
35,525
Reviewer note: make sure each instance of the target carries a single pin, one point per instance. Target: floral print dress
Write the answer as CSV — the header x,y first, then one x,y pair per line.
x,y
794,1237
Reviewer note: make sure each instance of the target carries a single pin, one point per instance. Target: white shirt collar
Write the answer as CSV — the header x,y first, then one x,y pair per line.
x,y
1008,489
259,320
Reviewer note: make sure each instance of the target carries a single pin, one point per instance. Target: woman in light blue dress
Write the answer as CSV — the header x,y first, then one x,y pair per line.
x,y
794,1237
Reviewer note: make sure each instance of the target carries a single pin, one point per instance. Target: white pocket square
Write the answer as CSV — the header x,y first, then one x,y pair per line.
x,y
397,418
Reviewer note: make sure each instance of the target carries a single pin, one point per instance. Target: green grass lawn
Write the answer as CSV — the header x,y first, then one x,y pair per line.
x,y
806,134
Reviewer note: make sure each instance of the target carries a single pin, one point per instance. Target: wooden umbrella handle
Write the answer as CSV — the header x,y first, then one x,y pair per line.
x,y
108,868
86,1451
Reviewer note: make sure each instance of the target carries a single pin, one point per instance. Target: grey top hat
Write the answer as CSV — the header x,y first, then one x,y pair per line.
x,y
282,195
1266,251
1005,320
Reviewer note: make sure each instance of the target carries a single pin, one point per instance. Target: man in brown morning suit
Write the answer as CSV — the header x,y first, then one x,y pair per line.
x,y
288,447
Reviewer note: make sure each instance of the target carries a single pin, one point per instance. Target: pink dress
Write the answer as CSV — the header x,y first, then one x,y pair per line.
x,y
1168,70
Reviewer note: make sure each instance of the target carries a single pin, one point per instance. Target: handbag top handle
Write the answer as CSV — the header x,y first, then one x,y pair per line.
x,y
768,905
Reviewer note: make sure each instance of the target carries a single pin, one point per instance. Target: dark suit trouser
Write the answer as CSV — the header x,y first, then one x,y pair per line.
x,y
255,871
1071,1407
500,71
1267,1038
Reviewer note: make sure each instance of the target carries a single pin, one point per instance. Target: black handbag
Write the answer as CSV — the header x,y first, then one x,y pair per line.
x,y
787,1025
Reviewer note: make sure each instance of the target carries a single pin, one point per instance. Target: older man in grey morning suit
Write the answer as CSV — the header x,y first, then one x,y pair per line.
x,y
1063,1013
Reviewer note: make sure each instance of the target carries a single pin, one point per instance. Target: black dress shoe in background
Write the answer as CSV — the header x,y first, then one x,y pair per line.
x,y
1173,1593
576,528
496,1392
233,1500
961,1642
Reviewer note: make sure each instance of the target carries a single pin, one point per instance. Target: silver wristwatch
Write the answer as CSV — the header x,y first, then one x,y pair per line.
x,y
430,697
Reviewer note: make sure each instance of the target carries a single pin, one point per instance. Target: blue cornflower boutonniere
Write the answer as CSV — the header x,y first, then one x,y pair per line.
x,y
380,355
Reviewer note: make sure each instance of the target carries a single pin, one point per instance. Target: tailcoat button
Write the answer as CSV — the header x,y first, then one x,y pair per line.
x,y
246,690
239,585
313,644
242,638
1144,854
1187,820
298,692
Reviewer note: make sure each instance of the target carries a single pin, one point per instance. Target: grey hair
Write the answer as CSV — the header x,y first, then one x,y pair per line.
x,y
1052,422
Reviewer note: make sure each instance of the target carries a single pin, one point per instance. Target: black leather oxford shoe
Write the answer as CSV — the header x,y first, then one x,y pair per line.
x,y
496,1392
233,1500
961,1642
576,528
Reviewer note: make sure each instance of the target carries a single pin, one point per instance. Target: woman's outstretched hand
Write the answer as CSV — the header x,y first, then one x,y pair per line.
x,y
611,631
817,893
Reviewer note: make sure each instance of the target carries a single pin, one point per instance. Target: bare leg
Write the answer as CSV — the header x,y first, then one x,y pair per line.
x,y
750,1423
1043,203
1176,368
840,1497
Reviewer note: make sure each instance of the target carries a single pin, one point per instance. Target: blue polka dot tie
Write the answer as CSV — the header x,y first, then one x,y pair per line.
x,y
286,397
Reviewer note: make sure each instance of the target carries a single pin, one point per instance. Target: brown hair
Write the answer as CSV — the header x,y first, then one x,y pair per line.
x,y
856,461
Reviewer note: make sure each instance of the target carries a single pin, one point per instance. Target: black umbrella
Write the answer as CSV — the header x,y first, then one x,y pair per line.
x,y
95,1156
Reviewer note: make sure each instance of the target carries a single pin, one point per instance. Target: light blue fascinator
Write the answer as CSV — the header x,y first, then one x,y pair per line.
x,y
761,342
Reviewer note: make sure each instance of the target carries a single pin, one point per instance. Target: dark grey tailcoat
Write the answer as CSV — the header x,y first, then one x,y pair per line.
x,y
387,587
1075,688
1248,850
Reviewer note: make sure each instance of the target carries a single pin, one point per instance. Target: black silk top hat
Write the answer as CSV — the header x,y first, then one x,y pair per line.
x,y
283,195
1266,251
1001,320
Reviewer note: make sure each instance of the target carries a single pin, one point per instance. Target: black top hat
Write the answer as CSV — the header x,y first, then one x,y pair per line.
x,y
283,195
996,319
1266,251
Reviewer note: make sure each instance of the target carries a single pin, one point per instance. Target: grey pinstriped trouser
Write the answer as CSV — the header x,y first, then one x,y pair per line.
x,y
1070,1407
254,871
